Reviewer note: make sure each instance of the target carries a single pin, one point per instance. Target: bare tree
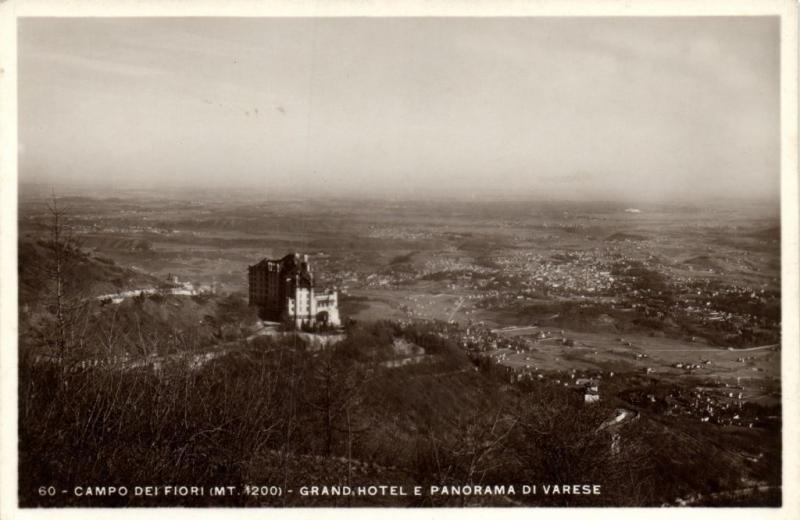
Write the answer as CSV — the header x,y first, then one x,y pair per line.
x,y
338,386
69,311
57,249
464,450
291,415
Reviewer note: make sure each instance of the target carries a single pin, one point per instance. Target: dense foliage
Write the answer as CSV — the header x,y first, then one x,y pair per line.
x,y
282,413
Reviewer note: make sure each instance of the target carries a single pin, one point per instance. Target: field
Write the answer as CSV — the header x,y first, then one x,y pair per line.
x,y
754,372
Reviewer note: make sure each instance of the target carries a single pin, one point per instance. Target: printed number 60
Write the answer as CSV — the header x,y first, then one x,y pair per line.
x,y
47,491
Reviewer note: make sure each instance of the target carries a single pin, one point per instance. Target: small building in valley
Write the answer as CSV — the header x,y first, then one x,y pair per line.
x,y
284,290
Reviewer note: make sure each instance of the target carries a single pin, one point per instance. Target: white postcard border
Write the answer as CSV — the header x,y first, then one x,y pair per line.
x,y
10,10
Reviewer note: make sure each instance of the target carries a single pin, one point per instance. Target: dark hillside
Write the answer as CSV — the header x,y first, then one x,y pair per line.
x,y
85,275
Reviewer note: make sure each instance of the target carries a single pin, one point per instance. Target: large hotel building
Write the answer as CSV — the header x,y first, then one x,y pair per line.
x,y
283,290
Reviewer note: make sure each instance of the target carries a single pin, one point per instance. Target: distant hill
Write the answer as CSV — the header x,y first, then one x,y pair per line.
x,y
154,323
618,237
703,262
773,233
117,243
85,275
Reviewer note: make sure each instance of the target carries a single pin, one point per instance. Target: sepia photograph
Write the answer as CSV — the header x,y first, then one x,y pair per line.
x,y
417,261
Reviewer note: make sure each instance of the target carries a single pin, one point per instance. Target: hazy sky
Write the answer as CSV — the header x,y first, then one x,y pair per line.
x,y
542,107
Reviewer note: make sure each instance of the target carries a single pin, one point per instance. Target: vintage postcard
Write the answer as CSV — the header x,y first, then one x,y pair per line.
x,y
450,255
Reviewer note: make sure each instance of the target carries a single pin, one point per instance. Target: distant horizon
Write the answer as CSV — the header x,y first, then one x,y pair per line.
x,y
35,190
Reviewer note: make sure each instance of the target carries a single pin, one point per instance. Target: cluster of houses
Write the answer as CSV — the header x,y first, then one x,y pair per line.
x,y
723,406
574,273
174,287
